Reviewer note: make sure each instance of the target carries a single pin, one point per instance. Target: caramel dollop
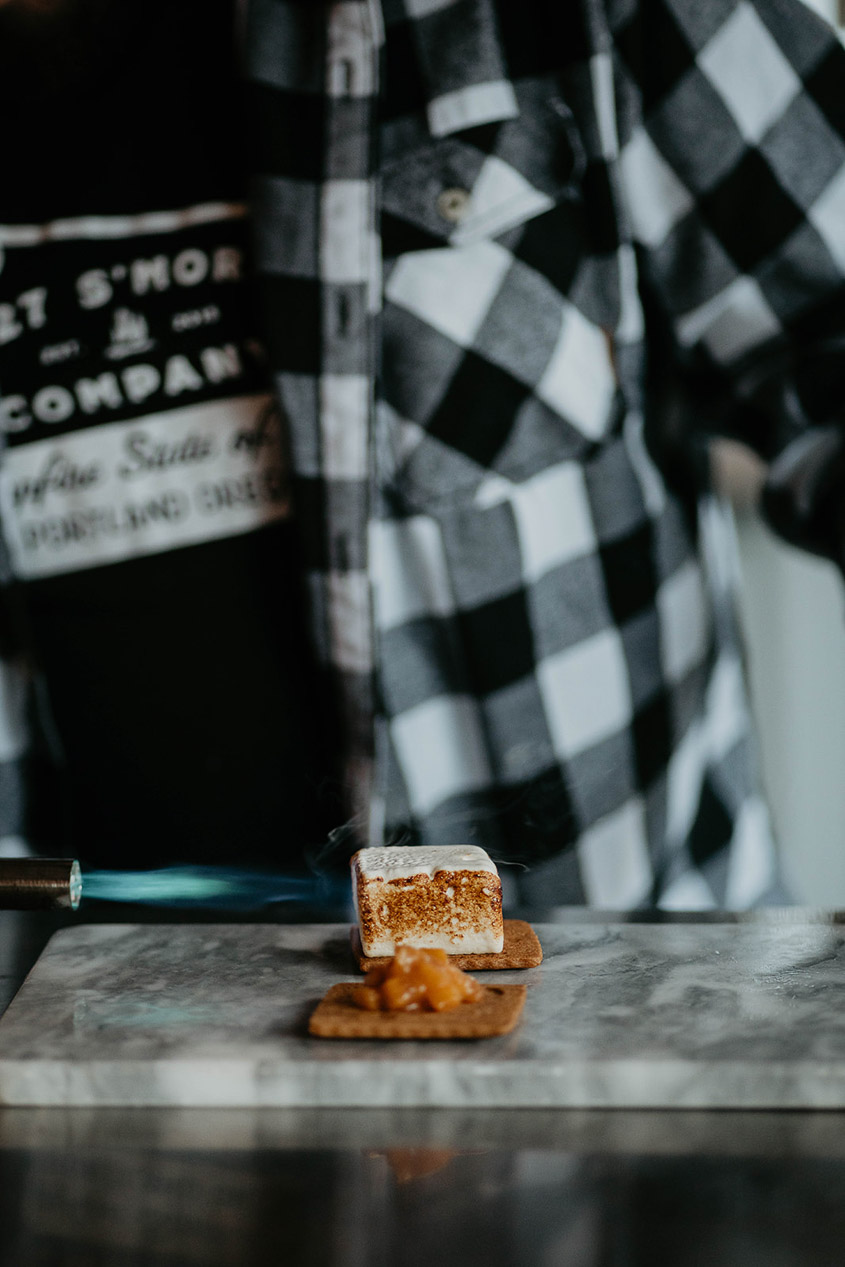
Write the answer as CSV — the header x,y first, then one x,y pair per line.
x,y
417,981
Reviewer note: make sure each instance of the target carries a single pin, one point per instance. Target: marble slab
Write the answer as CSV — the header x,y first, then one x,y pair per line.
x,y
618,1015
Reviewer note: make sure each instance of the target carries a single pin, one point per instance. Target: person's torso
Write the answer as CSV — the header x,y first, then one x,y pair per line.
x,y
552,677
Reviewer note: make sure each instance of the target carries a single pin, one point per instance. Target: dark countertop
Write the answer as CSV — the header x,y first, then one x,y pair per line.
x,y
411,1187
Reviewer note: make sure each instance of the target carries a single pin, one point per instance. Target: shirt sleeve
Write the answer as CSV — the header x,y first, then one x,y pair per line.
x,y
732,176
15,688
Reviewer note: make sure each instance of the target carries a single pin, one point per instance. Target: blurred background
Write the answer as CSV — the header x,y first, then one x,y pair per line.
x,y
793,610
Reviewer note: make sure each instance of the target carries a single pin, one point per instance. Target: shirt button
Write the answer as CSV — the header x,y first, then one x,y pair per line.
x,y
453,205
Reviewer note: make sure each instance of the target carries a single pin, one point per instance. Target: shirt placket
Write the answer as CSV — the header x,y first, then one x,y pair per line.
x,y
350,276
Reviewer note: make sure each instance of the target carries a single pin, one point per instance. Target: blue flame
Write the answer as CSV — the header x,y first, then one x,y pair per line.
x,y
223,888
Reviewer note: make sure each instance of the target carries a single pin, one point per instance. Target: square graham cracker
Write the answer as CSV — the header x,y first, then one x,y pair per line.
x,y
521,949
337,1016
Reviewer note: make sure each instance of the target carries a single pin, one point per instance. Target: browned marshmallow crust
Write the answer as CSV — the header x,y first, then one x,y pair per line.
x,y
458,910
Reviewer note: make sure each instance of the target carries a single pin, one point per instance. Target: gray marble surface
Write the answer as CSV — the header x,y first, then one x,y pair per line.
x,y
741,1015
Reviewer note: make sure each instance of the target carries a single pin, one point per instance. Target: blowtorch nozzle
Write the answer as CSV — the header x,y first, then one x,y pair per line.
x,y
40,883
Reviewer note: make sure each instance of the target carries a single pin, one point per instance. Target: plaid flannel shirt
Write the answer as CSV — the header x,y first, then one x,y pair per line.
x,y
506,248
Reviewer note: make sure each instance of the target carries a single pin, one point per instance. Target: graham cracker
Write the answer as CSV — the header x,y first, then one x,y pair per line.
x,y
522,949
337,1016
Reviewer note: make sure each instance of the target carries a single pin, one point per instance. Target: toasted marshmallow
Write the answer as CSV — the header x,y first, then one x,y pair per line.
x,y
447,898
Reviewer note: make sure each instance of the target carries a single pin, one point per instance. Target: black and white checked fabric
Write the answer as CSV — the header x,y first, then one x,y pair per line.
x,y
505,248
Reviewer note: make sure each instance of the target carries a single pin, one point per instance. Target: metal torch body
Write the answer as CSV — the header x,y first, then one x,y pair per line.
x,y
40,884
